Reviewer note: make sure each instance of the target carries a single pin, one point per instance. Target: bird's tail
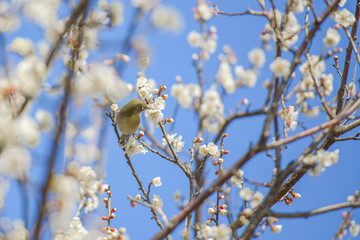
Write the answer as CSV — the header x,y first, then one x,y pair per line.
x,y
123,139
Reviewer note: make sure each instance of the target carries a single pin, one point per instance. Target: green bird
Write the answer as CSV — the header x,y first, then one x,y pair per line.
x,y
128,118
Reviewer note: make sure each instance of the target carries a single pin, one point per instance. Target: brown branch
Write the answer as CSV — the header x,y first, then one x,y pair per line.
x,y
341,91
326,106
82,7
314,212
248,12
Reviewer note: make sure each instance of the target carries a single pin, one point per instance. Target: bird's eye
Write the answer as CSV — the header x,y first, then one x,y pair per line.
x,y
143,107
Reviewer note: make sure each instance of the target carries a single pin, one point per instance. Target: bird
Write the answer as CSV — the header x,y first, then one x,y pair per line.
x,y
128,118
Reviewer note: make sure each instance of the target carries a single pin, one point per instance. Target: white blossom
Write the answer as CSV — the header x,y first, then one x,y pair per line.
x,y
22,46
257,57
133,147
257,199
157,202
178,144
276,228
203,10
354,228
15,162
327,83
154,116
44,119
156,182
225,77
297,6
116,12
332,38
344,17
101,80
167,18
203,150
280,67
213,150
222,232
246,194
18,231
290,119
28,131
237,179
194,39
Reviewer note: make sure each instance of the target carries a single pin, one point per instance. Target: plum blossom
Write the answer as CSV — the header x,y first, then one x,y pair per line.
x,y
133,147
237,179
332,38
290,118
156,182
280,67
344,17
257,57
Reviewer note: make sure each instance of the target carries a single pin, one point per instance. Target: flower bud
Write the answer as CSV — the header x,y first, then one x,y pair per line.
x,y
141,134
223,211
138,197
170,120
104,218
133,203
220,160
155,91
336,57
211,211
114,107
164,96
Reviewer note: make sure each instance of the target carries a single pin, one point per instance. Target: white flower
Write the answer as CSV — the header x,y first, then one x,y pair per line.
x,y
77,230
157,202
344,17
327,159
156,182
211,211
194,39
276,228
101,80
213,150
167,18
257,57
297,6
332,38
28,131
18,231
15,162
204,10
169,137
249,78
22,46
133,147
203,150
30,74
280,67
87,179
178,144
327,83
237,179
318,67
210,45
246,194
116,12
291,116
222,232
257,199
225,77
44,119
154,116
354,228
